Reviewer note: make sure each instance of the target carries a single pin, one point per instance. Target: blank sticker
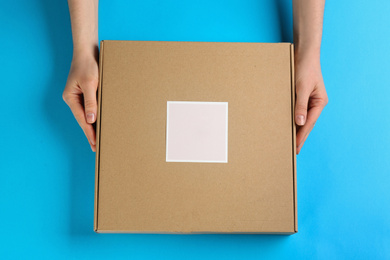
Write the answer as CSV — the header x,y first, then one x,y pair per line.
x,y
197,131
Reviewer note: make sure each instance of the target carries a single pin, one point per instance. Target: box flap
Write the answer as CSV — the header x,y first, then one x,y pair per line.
x,y
98,124
294,138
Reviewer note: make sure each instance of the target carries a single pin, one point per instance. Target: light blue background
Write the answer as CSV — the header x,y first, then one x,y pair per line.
x,y
47,167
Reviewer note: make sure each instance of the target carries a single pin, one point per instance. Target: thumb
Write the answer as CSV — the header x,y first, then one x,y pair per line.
x,y
302,100
90,104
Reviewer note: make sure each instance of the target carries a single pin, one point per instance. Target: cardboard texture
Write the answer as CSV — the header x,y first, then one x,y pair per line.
x,y
138,191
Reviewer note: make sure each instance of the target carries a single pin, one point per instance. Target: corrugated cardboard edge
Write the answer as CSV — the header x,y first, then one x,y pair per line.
x,y
98,119
294,138
193,233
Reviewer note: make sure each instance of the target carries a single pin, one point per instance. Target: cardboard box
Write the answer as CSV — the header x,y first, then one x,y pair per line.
x,y
230,165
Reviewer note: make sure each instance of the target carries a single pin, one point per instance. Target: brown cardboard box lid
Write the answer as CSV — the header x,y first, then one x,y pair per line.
x,y
138,191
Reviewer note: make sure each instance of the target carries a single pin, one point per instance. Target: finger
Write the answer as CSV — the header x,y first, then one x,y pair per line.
x,y
90,102
303,132
301,103
302,143
78,112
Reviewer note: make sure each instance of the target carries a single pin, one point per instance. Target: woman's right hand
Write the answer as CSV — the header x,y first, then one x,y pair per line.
x,y
80,93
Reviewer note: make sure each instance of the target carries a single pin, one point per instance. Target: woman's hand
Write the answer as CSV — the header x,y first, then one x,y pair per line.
x,y
82,83
80,93
311,97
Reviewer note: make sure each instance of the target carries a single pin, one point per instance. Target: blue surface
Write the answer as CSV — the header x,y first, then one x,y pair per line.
x,y
47,167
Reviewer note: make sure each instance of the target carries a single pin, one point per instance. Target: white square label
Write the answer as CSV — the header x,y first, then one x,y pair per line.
x,y
197,131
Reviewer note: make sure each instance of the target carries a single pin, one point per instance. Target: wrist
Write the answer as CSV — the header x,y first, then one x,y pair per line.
x,y
307,52
85,50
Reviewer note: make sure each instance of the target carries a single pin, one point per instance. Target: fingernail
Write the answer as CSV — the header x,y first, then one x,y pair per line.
x,y
90,117
300,120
